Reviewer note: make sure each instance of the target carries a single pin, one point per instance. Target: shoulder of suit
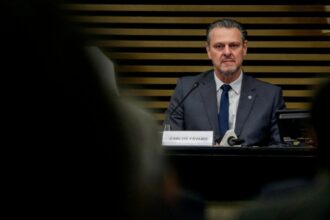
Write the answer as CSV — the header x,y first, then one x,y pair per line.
x,y
196,77
258,82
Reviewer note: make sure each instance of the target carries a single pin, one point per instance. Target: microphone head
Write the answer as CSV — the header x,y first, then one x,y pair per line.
x,y
231,140
234,141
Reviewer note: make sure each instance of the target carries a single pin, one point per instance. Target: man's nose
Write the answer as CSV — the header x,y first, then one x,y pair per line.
x,y
227,50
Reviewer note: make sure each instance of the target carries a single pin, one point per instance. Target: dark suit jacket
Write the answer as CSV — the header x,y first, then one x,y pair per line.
x,y
256,120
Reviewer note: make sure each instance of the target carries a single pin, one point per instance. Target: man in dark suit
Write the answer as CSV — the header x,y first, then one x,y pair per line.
x,y
252,105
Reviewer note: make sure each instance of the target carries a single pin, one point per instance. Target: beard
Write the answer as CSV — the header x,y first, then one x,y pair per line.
x,y
229,72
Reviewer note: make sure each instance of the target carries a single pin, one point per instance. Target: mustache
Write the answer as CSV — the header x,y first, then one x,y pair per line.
x,y
226,60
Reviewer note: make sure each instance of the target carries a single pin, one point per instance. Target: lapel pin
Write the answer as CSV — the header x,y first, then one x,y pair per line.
x,y
250,97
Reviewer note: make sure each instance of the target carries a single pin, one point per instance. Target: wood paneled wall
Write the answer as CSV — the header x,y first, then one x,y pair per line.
x,y
153,45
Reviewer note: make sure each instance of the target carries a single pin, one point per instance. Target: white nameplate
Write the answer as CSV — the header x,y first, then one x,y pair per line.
x,y
187,138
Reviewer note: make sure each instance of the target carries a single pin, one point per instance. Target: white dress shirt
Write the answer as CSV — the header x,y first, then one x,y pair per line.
x,y
233,96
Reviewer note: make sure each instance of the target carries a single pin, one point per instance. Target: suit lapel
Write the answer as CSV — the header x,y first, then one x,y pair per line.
x,y
246,101
209,97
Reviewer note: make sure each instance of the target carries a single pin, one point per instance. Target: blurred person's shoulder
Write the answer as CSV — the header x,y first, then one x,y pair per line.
x,y
309,203
137,118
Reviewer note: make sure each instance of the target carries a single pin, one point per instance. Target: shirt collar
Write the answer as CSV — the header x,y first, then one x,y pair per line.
x,y
235,85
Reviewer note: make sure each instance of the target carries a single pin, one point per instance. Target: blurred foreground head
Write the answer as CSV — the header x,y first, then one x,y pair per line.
x,y
68,139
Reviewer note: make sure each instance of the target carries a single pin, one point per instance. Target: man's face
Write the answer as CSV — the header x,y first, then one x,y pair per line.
x,y
226,50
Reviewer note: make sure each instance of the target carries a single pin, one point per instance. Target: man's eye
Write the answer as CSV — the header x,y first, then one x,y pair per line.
x,y
219,46
234,46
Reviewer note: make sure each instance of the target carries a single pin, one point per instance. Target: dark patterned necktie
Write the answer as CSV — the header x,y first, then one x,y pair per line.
x,y
223,115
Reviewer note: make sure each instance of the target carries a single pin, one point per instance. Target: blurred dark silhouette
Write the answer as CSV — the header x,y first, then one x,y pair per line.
x,y
105,67
73,148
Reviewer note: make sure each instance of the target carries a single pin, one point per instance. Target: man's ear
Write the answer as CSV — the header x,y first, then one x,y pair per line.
x,y
245,47
207,47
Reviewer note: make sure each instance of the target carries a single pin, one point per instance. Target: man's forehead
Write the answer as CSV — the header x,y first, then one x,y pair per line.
x,y
226,29
221,32
227,42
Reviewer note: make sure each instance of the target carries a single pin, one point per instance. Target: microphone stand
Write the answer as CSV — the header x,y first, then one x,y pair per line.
x,y
166,124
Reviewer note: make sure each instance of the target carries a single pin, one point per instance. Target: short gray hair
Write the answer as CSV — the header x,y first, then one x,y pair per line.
x,y
226,23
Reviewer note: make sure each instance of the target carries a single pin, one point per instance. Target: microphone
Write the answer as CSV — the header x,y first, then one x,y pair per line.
x,y
234,141
230,139
195,85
